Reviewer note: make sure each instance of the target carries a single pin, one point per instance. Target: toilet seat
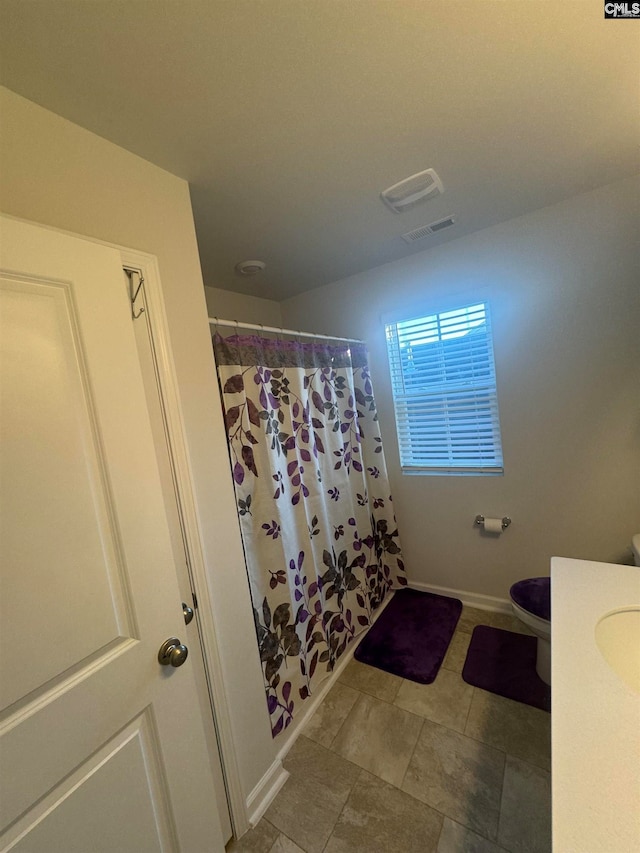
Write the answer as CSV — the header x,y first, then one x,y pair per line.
x,y
533,595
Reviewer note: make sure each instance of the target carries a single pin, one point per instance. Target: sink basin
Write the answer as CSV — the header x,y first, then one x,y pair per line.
x,y
618,639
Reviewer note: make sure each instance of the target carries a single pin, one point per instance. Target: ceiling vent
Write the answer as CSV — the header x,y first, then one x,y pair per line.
x,y
406,194
426,230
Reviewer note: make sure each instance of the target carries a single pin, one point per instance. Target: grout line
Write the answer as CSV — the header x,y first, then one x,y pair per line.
x,y
473,696
413,751
333,829
347,715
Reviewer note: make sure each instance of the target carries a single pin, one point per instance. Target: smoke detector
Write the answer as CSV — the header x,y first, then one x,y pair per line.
x,y
250,267
427,230
411,191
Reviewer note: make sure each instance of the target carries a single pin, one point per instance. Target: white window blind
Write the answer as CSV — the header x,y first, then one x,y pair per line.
x,y
444,391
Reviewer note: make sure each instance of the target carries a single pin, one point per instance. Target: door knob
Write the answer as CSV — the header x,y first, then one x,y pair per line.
x,y
187,612
172,652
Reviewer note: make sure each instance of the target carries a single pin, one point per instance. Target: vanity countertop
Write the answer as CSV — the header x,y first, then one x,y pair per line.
x,y
595,716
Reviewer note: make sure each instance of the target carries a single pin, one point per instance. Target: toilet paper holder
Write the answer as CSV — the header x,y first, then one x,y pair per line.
x,y
479,520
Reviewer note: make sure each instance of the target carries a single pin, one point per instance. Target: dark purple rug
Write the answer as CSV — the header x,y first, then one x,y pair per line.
x,y
411,637
503,662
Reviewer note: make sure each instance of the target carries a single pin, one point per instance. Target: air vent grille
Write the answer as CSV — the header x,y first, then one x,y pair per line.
x,y
426,230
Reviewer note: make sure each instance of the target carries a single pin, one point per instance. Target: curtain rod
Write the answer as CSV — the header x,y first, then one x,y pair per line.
x,y
259,327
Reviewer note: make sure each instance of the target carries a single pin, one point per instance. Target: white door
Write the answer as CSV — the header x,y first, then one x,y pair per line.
x,y
102,748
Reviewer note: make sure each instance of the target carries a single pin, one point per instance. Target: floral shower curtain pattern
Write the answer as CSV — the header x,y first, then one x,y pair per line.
x,y
318,528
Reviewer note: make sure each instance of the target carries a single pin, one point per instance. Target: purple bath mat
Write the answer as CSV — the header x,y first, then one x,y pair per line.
x,y
412,635
505,663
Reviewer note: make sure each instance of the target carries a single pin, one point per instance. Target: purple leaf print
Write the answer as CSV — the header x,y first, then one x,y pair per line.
x,y
272,529
286,690
231,416
254,414
238,473
317,401
247,457
314,663
272,703
234,384
278,727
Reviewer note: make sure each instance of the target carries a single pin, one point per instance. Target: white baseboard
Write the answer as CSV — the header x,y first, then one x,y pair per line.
x,y
471,599
265,791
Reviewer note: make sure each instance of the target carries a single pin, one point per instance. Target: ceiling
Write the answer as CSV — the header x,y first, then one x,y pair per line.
x,y
289,117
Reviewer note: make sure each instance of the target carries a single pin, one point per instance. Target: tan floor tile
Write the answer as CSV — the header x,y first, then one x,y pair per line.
x,y
525,814
445,701
378,737
260,839
383,685
514,727
455,838
310,801
379,818
285,845
332,712
457,652
458,776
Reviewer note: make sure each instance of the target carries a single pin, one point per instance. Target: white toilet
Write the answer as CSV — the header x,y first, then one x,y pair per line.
x,y
531,603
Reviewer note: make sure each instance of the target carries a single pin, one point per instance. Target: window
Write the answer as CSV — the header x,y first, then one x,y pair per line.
x,y
444,390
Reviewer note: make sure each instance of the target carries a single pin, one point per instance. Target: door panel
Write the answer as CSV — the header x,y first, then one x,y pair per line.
x,y
89,589
54,450
126,777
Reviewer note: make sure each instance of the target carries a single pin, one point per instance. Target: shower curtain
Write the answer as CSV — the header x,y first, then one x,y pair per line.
x,y
319,533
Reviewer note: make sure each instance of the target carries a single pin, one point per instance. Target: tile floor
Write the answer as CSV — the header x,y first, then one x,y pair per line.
x,y
391,766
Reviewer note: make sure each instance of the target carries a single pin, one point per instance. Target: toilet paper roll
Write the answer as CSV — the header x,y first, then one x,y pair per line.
x,y
493,525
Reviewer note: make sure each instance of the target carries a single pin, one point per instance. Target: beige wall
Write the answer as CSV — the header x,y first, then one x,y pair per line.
x,y
246,309
564,289
56,173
